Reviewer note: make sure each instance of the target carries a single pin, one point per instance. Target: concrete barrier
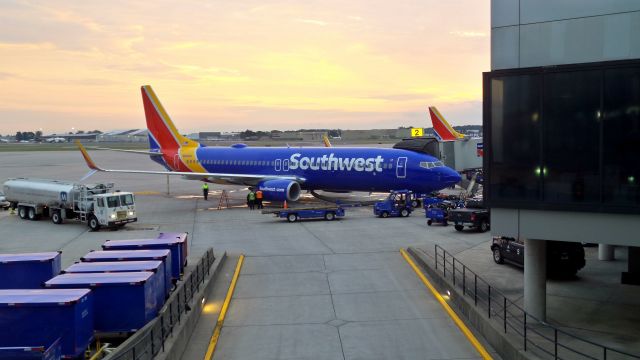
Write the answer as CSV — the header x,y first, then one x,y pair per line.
x,y
175,345
501,343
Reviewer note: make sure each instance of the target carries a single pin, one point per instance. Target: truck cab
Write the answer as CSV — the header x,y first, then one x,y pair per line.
x,y
111,209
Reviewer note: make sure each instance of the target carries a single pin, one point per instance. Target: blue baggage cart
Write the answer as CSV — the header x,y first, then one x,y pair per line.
x,y
183,238
53,352
173,245
28,271
154,266
37,318
123,302
133,255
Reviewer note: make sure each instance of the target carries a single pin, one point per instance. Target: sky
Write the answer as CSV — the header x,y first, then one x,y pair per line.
x,y
243,64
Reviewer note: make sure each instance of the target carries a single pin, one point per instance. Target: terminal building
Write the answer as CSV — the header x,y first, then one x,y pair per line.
x,y
561,116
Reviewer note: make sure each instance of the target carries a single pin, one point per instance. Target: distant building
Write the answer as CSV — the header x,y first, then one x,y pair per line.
x,y
132,135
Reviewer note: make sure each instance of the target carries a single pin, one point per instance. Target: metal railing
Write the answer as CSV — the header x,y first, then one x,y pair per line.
x,y
147,342
545,340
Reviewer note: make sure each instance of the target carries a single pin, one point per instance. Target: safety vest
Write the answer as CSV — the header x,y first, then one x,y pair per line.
x,y
252,196
258,194
205,186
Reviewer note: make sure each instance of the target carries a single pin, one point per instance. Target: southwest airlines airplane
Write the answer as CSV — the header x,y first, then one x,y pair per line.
x,y
282,173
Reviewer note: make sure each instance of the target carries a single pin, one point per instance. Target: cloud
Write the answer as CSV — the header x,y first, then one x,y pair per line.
x,y
312,22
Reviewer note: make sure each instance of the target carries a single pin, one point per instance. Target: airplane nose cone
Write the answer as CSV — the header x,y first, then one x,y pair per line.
x,y
450,177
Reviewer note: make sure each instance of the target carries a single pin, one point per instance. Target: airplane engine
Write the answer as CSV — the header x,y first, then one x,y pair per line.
x,y
280,190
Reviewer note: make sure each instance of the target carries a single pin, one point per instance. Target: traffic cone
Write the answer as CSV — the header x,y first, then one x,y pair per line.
x,y
285,205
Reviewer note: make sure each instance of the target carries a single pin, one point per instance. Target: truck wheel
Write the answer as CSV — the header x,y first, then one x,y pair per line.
x,y
429,222
94,225
459,227
22,212
56,217
292,218
384,214
31,214
415,204
330,216
484,226
404,213
497,256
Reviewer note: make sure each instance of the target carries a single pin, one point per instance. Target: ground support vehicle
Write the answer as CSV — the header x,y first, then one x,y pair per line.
x,y
97,204
563,258
439,212
398,203
474,215
328,213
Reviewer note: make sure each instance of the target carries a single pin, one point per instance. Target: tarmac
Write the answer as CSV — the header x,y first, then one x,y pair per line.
x,y
314,289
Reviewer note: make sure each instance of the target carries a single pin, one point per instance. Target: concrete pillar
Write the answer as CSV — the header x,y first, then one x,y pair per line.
x,y
606,252
535,278
632,276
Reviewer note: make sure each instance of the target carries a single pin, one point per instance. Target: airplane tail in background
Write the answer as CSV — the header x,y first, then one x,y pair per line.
x,y
442,128
325,140
163,134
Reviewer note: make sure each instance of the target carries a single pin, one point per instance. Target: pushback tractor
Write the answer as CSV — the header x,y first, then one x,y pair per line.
x,y
97,205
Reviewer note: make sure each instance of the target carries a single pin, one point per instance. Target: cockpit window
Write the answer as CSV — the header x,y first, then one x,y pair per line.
x,y
431,164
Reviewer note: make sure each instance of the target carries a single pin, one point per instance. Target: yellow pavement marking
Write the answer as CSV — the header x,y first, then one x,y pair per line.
x,y
147,193
223,312
465,330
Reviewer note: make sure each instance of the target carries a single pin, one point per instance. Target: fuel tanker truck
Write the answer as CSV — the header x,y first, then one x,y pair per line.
x,y
97,205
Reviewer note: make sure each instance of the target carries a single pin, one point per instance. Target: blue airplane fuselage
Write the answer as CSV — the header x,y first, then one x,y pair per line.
x,y
333,169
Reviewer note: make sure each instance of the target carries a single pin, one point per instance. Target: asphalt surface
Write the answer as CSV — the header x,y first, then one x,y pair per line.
x,y
314,289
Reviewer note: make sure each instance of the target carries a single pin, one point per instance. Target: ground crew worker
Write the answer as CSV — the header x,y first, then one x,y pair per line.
x,y
251,198
259,198
205,190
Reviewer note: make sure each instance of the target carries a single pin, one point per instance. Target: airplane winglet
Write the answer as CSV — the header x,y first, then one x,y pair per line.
x,y
87,158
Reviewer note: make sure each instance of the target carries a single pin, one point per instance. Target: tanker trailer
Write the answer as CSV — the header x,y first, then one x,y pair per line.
x,y
97,205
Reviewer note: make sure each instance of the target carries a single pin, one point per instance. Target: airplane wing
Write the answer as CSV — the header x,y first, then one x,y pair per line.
x,y
142,152
239,179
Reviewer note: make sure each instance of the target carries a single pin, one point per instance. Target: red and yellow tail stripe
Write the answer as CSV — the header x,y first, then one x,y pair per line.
x,y
178,151
442,127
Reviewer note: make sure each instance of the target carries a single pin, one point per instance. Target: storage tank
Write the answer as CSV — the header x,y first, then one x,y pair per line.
x,y
48,192
52,193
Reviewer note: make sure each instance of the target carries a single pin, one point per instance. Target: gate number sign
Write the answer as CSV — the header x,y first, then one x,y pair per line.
x,y
415,132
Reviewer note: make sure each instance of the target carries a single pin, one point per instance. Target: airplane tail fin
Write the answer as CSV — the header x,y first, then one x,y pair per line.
x,y
163,134
325,140
442,128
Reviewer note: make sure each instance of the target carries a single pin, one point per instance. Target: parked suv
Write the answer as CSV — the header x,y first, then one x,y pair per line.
x,y
563,258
